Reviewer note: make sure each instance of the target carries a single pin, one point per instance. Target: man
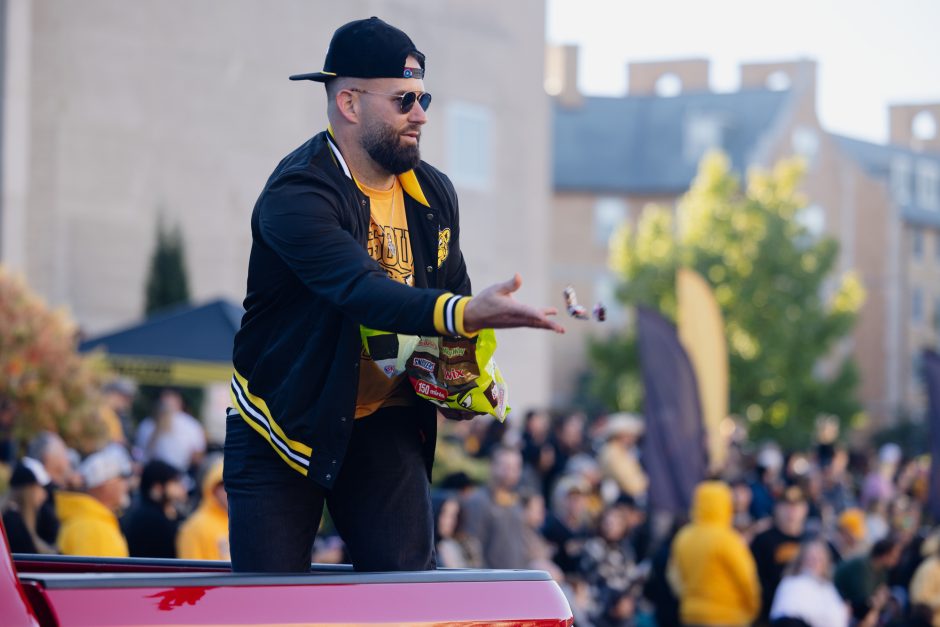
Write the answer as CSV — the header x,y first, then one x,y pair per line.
x,y
89,520
151,524
863,579
351,229
51,451
204,536
775,548
118,397
171,434
494,515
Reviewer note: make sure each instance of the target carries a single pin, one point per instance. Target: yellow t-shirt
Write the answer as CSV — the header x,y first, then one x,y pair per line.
x,y
390,245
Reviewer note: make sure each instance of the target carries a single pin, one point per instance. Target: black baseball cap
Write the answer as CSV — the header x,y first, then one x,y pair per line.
x,y
367,49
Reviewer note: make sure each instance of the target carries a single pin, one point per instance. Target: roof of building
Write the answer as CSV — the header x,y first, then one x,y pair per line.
x,y
878,160
640,144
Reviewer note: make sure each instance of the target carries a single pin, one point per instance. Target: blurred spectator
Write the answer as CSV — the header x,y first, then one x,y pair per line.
x,y
567,441
859,579
878,485
619,457
171,435
50,450
537,549
620,610
21,510
925,586
741,497
204,536
608,564
494,516
849,537
538,454
568,524
711,570
806,592
452,551
89,520
765,487
151,524
778,546
657,588
116,410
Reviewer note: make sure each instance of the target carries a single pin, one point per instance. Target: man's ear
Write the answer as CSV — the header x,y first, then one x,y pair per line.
x,y
347,105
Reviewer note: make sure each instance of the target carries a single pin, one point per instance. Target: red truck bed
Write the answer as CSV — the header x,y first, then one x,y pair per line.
x,y
66,591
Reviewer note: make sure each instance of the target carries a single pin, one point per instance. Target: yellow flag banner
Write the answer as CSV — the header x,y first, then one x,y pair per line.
x,y
702,333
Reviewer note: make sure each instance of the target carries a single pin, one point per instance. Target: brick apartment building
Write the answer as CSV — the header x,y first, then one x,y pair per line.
x,y
615,155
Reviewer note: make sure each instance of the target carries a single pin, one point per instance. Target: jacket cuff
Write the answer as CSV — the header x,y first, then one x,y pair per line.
x,y
461,331
448,315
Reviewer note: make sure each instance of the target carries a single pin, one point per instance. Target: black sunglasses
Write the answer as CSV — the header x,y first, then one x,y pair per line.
x,y
406,100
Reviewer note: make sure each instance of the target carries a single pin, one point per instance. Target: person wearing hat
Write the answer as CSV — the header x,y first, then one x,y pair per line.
x,y
89,519
618,456
850,532
152,522
776,547
21,510
352,229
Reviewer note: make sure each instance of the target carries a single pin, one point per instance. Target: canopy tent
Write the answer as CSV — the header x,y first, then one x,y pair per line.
x,y
187,345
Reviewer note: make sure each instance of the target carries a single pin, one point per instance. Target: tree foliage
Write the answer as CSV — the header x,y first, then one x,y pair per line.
x,y
785,314
166,281
45,385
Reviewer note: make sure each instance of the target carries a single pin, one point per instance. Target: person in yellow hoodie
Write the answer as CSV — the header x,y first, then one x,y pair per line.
x,y
925,586
89,522
711,569
204,535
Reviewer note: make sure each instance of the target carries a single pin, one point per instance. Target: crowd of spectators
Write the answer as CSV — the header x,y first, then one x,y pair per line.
x,y
826,537
150,491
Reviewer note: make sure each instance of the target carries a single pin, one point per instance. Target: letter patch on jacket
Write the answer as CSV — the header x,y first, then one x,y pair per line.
x,y
443,246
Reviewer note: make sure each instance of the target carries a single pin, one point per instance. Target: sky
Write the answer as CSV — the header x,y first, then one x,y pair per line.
x,y
870,54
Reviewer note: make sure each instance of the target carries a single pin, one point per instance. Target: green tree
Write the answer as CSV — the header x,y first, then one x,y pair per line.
x,y
167,285
166,281
784,312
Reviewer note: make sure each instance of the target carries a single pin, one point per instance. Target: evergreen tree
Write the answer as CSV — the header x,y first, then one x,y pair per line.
x,y
167,285
784,313
166,282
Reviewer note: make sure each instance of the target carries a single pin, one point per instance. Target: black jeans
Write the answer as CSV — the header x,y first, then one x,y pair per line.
x,y
380,502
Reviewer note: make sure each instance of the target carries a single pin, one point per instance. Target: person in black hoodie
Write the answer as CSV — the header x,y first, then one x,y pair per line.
x,y
150,525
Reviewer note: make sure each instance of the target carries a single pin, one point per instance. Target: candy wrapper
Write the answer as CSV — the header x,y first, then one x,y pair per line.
x,y
458,373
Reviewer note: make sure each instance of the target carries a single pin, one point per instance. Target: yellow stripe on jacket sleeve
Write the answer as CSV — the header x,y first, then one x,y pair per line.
x,y
458,316
258,402
439,313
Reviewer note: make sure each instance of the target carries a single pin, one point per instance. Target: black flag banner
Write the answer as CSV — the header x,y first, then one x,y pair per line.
x,y
931,364
674,447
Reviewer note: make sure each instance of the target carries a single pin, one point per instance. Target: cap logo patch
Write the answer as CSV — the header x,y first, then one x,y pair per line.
x,y
413,72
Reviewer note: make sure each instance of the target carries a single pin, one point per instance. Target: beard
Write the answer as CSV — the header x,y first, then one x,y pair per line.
x,y
383,144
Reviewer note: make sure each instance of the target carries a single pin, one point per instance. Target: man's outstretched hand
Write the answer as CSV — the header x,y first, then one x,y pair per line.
x,y
495,308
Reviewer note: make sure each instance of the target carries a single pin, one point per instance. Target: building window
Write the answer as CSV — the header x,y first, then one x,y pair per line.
x,y
928,181
805,143
901,180
470,145
917,305
917,243
813,219
703,132
609,213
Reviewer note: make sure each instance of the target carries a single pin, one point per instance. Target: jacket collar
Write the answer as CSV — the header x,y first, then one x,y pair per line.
x,y
408,180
